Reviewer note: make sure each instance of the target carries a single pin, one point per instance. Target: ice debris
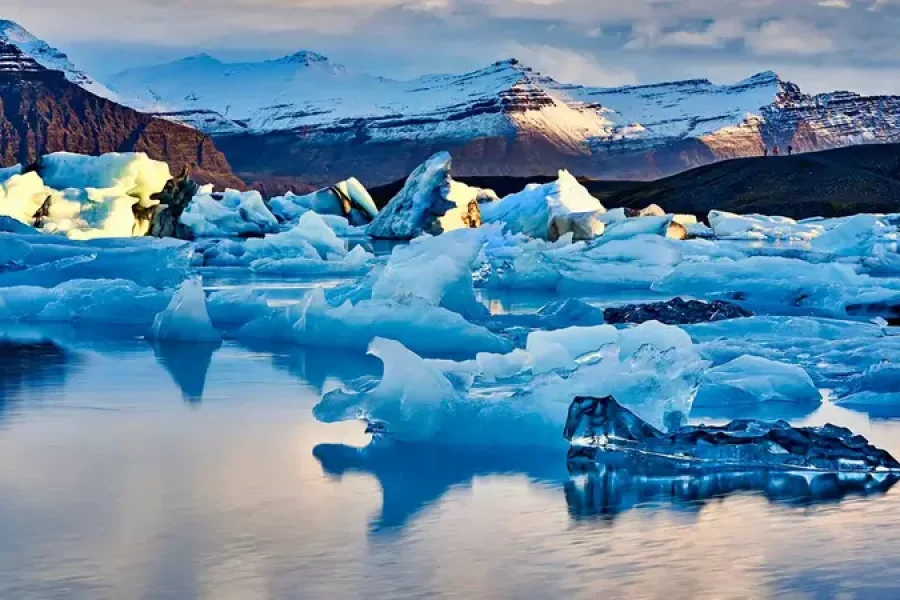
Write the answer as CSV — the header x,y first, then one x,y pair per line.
x,y
598,427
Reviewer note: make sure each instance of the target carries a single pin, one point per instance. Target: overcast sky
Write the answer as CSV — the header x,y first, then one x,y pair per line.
x,y
821,44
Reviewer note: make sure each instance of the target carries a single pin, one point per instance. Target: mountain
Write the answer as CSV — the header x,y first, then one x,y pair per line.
x,y
44,108
305,121
51,58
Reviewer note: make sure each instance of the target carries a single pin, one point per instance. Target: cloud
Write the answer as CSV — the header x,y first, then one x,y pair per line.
x,y
568,66
593,41
790,37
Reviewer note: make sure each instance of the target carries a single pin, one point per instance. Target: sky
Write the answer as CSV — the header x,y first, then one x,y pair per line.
x,y
823,45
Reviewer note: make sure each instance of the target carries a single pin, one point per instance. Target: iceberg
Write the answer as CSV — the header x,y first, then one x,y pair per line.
x,y
186,318
727,225
753,381
47,260
783,285
600,429
310,247
348,199
84,197
513,399
235,214
112,302
420,326
430,202
532,211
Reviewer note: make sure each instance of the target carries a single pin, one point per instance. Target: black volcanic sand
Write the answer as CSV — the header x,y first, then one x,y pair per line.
x,y
834,183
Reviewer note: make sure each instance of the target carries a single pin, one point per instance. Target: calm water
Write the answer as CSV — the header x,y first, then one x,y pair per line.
x,y
133,470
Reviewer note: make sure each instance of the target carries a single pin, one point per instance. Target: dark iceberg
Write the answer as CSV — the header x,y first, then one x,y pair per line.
x,y
602,431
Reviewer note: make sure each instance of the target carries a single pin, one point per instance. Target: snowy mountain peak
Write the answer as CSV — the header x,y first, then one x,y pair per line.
x,y
303,57
50,58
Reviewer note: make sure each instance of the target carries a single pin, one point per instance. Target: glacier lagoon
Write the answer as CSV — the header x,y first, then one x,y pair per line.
x,y
199,471
193,418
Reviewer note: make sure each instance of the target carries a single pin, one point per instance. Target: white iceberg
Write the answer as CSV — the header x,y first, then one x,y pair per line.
x,y
728,225
84,197
235,214
531,211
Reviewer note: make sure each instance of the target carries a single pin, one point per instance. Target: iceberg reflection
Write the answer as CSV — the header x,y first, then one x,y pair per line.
x,y
612,489
415,476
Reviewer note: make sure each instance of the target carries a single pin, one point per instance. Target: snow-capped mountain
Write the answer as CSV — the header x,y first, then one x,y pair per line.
x,y
45,111
305,119
51,58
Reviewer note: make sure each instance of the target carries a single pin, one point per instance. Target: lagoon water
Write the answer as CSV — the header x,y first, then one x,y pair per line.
x,y
129,470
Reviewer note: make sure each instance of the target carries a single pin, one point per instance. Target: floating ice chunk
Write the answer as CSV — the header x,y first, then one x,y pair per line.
x,y
186,318
129,174
52,260
658,382
761,227
310,231
582,226
752,380
87,301
629,228
84,197
495,367
634,263
468,201
437,270
425,329
599,427
778,285
237,214
552,350
531,211
346,199
231,309
414,396
418,207
356,262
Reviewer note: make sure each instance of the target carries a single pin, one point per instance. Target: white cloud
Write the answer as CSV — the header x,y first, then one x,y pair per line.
x,y
570,66
789,37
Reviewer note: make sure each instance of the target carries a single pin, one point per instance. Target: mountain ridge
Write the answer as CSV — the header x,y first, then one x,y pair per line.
x,y
42,111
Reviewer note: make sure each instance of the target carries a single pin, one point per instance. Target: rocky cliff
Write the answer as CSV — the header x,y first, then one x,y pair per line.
x,y
41,111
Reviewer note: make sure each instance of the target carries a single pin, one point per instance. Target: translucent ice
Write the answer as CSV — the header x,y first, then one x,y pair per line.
x,y
236,214
752,380
186,318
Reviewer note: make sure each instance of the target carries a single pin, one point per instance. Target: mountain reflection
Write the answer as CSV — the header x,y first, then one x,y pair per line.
x,y
414,476
612,490
188,365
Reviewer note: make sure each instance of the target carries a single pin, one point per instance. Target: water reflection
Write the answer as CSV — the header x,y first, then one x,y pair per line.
x,y
188,365
30,368
415,476
614,489
317,366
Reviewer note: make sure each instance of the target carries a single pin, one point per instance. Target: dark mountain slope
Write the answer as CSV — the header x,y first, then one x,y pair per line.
x,y
42,112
